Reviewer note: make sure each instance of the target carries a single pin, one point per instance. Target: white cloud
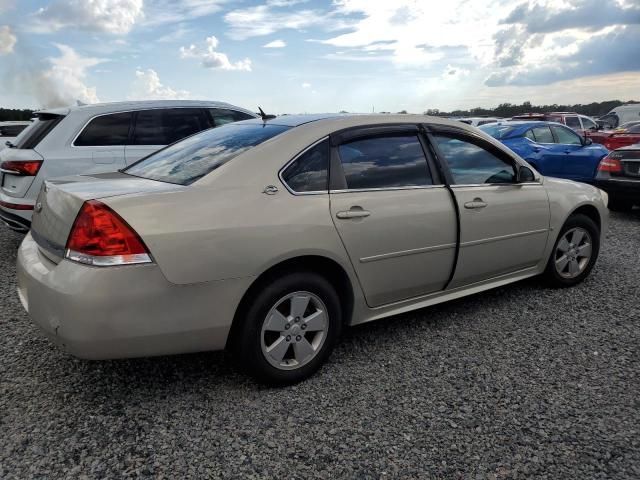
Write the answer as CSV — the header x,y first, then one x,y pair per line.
x,y
147,86
306,85
275,44
269,18
159,12
6,5
64,82
7,40
454,73
117,17
210,58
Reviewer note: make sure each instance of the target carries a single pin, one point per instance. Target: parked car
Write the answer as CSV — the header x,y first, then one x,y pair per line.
x,y
96,138
10,130
620,115
477,121
619,175
575,121
551,148
243,237
620,137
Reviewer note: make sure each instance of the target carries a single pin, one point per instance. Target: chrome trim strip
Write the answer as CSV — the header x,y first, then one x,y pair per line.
x,y
403,253
383,189
503,237
494,184
298,155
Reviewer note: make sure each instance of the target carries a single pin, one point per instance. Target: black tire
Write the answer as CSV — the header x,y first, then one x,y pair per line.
x,y
616,205
551,274
246,345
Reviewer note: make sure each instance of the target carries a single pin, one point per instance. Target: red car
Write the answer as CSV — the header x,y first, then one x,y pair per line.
x,y
573,120
620,137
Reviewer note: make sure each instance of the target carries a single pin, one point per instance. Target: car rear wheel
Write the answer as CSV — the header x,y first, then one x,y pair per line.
x,y
289,328
574,253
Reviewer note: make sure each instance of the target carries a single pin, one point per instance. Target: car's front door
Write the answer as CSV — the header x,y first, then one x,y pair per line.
x,y
395,217
504,225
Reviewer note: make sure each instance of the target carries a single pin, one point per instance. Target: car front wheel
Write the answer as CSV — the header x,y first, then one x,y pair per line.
x,y
574,253
289,328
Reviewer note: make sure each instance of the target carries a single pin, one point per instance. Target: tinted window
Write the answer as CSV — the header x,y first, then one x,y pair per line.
x,y
222,116
384,162
471,164
543,135
196,156
162,127
105,130
587,123
485,122
634,129
308,173
11,130
529,134
572,122
566,136
611,121
39,129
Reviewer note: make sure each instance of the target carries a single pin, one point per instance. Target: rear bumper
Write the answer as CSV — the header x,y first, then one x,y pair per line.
x,y
19,220
119,312
626,189
14,221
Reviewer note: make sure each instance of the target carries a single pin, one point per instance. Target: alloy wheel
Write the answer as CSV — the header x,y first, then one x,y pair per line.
x,y
294,330
573,253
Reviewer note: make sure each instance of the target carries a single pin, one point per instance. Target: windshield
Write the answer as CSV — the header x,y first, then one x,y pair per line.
x,y
40,128
191,159
497,130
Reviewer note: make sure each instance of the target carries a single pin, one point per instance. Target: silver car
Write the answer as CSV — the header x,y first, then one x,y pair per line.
x,y
267,237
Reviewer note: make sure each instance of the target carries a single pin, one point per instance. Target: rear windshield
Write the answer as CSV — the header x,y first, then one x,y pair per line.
x,y
38,130
196,156
497,130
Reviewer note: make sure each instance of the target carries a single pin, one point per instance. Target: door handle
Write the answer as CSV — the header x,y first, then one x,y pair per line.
x,y
353,212
476,204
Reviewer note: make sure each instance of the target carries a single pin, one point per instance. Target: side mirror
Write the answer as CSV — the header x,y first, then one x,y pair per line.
x,y
587,141
525,175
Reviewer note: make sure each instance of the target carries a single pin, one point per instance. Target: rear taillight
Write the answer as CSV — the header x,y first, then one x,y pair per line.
x,y
27,168
609,164
100,237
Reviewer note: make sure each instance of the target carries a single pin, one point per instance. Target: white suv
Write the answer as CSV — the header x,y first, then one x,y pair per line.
x,y
93,139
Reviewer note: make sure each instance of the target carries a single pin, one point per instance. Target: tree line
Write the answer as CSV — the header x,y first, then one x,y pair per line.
x,y
595,109
7,114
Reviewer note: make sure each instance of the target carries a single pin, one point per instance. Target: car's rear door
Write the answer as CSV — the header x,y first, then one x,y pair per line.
x,y
157,128
504,225
580,162
394,215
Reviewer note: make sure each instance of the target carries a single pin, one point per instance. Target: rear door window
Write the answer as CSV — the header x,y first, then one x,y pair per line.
x,y
105,130
385,162
222,116
473,164
308,172
566,136
166,126
572,122
543,135
200,154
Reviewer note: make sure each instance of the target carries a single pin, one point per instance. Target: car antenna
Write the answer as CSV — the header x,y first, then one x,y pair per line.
x,y
265,116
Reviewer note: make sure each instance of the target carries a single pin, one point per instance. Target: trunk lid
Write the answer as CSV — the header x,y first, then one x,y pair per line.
x,y
60,201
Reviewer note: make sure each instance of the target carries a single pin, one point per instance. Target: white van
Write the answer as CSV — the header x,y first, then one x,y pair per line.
x,y
95,139
620,115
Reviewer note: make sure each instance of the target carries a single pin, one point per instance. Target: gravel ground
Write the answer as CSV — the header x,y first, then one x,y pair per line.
x,y
519,382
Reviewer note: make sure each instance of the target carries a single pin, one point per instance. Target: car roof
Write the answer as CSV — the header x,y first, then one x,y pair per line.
x,y
109,107
15,122
336,121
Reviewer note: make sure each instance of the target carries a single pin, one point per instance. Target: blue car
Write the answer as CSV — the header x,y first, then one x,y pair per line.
x,y
551,148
